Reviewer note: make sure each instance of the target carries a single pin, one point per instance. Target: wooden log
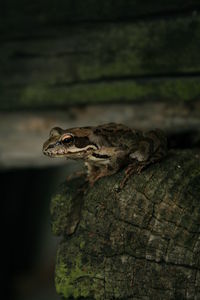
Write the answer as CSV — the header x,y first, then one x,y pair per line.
x,y
142,242
21,15
105,62
106,92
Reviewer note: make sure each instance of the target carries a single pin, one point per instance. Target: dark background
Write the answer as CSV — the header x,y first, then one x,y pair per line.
x,y
29,249
76,63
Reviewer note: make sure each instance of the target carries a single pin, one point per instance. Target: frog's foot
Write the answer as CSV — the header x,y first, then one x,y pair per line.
x,y
99,173
134,168
94,178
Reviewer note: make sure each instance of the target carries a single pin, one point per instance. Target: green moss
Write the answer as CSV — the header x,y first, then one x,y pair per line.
x,y
104,92
82,244
74,277
108,67
139,236
59,200
66,287
65,206
182,90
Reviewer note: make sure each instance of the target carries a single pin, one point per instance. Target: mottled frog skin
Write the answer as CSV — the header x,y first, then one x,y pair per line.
x,y
107,148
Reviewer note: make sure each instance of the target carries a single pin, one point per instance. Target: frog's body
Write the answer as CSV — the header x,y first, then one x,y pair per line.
x,y
107,148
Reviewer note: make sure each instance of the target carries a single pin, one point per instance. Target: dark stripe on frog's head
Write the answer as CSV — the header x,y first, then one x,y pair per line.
x,y
82,142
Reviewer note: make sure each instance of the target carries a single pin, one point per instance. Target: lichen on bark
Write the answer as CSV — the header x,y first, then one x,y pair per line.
x,y
141,242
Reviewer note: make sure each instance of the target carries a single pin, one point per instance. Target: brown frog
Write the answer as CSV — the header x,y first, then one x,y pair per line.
x,y
107,148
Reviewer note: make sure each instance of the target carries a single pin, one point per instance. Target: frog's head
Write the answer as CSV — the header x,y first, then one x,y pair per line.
x,y
72,143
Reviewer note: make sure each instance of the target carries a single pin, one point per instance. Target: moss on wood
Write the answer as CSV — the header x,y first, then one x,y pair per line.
x,y
128,91
139,242
98,63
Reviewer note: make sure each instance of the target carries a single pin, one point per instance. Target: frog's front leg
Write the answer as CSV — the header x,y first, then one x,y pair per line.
x,y
152,148
138,160
105,162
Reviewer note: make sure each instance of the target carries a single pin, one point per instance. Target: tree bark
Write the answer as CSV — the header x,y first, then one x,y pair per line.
x,y
142,242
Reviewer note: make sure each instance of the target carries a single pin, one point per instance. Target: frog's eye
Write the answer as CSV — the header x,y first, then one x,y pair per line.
x,y
67,138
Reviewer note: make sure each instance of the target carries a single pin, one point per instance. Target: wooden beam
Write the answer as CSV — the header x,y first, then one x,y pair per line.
x,y
105,62
22,15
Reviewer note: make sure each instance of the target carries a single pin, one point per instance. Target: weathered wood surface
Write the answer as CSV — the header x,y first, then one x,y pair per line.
x,y
54,66
14,15
142,242
23,133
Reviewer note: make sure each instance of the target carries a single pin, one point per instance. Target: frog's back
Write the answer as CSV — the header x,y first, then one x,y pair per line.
x,y
117,135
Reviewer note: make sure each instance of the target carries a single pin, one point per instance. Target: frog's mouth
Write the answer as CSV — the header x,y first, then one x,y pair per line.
x,y
62,152
54,150
54,154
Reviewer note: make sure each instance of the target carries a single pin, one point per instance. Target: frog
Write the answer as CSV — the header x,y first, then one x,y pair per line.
x,y
108,148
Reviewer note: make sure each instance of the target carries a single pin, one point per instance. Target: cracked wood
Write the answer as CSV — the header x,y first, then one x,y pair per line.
x,y
140,242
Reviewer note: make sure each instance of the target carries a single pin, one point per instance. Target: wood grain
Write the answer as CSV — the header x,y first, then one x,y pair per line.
x,y
138,243
104,62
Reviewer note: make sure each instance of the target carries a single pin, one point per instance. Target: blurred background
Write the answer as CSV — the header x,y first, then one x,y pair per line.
x,y
75,63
